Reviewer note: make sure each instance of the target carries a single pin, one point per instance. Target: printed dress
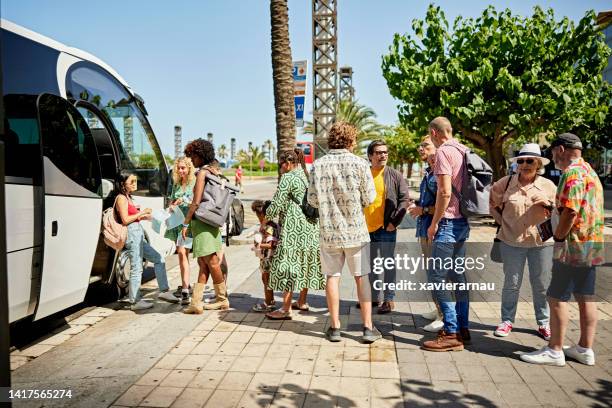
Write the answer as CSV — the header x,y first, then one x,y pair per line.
x,y
187,195
296,262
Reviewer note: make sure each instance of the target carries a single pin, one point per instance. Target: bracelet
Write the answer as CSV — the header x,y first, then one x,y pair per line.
x,y
185,225
558,239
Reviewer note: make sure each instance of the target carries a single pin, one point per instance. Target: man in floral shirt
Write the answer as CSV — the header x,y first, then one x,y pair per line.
x,y
579,245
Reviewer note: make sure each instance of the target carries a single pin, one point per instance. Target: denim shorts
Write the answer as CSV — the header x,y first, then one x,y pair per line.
x,y
567,279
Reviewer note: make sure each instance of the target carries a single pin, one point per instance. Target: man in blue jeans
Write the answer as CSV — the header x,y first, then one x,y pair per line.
x,y
448,232
383,217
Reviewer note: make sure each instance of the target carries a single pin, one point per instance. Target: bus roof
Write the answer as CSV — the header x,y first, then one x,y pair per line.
x,y
49,42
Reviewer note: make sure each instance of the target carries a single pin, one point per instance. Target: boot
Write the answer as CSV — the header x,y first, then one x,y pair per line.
x,y
196,305
221,301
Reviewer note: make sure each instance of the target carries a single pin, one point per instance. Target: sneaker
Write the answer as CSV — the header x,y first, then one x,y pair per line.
x,y
434,326
544,331
503,329
444,342
587,357
141,305
185,298
466,337
168,297
333,335
431,315
544,356
178,291
370,335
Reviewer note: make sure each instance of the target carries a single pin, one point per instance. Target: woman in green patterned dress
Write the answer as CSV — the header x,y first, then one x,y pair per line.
x,y
183,178
296,264
206,238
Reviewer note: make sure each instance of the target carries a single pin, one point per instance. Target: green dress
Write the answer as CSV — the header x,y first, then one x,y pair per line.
x,y
187,195
206,238
296,262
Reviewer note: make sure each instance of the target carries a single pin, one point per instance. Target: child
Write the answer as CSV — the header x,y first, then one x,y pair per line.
x,y
265,242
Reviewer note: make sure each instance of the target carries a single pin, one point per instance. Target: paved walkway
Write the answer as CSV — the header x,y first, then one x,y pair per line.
x,y
236,358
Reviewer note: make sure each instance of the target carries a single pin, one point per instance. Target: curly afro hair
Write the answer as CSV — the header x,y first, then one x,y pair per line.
x,y
202,149
342,135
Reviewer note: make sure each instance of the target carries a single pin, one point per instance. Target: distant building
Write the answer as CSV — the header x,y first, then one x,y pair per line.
x,y
604,20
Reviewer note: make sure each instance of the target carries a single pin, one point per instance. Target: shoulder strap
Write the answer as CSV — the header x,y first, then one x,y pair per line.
x,y
505,189
455,192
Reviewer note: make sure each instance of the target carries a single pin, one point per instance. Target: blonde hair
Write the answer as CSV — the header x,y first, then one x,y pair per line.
x,y
190,175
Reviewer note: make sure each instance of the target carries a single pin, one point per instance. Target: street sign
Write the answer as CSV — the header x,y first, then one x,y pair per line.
x,y
299,90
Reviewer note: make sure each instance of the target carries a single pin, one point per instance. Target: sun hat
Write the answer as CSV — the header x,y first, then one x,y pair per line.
x,y
531,150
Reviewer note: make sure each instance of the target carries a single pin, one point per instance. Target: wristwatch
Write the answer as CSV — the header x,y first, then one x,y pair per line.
x,y
425,210
558,239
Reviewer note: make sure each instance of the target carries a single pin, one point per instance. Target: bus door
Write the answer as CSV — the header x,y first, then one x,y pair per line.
x,y
72,205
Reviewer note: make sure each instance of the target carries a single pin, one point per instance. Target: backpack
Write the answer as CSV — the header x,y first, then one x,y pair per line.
x,y
115,234
235,219
311,213
477,177
217,199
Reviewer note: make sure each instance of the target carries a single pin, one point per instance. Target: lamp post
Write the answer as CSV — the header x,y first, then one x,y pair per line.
x,y
250,154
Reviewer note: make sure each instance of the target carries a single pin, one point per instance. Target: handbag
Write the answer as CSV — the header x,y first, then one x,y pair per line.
x,y
311,213
114,233
495,254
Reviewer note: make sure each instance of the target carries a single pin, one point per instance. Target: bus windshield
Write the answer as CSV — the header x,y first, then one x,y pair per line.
x,y
138,148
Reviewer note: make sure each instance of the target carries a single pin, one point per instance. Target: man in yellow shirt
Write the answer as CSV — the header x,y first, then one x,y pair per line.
x,y
382,218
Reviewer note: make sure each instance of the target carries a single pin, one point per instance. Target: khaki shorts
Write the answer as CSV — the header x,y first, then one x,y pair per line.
x,y
333,259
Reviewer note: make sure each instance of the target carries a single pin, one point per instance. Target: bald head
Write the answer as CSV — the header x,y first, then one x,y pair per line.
x,y
440,130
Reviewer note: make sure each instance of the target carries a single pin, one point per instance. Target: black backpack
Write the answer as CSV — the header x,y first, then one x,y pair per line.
x,y
235,218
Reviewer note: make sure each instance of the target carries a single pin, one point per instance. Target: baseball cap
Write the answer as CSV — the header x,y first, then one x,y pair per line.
x,y
567,140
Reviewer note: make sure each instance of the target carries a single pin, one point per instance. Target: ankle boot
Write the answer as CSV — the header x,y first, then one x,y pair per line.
x,y
221,301
196,305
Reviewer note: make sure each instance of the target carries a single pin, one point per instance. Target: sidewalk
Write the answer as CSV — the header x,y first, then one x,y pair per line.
x,y
236,358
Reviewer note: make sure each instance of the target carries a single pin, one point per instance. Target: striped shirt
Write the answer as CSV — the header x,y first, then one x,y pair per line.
x,y
449,162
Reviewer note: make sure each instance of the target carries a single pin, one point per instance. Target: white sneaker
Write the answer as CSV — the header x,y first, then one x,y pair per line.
x,y
434,326
168,297
141,305
544,356
588,357
431,315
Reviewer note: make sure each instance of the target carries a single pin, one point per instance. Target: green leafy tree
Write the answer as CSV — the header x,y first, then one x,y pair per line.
x,y
501,76
402,145
222,151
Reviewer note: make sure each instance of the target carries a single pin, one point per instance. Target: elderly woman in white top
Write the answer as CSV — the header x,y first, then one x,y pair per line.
x,y
519,203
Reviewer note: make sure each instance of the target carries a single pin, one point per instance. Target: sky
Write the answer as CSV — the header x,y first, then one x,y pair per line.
x,y
206,66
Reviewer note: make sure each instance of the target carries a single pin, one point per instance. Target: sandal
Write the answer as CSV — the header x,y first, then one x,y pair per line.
x,y
263,307
279,314
303,308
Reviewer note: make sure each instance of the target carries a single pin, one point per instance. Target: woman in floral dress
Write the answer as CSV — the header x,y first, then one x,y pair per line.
x,y
296,264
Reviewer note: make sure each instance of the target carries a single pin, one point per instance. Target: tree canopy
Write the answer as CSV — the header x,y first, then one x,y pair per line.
x,y
501,76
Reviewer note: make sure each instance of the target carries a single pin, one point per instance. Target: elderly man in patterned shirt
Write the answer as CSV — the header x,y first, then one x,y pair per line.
x,y
341,186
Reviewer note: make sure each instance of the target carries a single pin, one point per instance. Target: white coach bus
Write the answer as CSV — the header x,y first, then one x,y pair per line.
x,y
72,123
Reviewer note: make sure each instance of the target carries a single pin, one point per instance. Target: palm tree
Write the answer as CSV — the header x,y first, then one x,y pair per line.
x,y
282,68
222,151
358,115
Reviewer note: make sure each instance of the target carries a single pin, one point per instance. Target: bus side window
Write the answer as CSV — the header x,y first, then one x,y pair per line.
x,y
22,138
68,143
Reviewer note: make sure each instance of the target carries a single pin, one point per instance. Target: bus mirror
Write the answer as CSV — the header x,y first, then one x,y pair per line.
x,y
107,187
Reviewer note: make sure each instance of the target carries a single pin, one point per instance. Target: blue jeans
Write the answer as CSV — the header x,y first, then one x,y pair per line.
x,y
449,242
382,244
138,249
540,266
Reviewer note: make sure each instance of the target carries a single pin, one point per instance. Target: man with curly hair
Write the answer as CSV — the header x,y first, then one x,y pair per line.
x,y
341,186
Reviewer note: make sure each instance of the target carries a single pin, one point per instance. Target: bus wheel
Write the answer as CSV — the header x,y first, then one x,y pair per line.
x,y
121,274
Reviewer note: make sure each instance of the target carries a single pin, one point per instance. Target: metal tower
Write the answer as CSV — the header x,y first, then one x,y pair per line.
x,y
347,92
232,148
324,67
178,142
209,137
128,134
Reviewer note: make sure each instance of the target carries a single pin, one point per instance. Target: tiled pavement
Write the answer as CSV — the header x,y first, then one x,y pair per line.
x,y
239,359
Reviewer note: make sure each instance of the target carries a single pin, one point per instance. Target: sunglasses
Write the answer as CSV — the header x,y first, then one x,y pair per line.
x,y
528,161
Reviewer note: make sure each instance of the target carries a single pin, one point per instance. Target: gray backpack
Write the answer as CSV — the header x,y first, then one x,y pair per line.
x,y
216,201
477,177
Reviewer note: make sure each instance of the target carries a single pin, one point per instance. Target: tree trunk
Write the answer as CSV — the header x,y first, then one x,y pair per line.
x,y
409,170
282,72
495,157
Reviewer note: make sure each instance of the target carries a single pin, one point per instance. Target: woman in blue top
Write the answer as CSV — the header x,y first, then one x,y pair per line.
x,y
423,212
183,178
